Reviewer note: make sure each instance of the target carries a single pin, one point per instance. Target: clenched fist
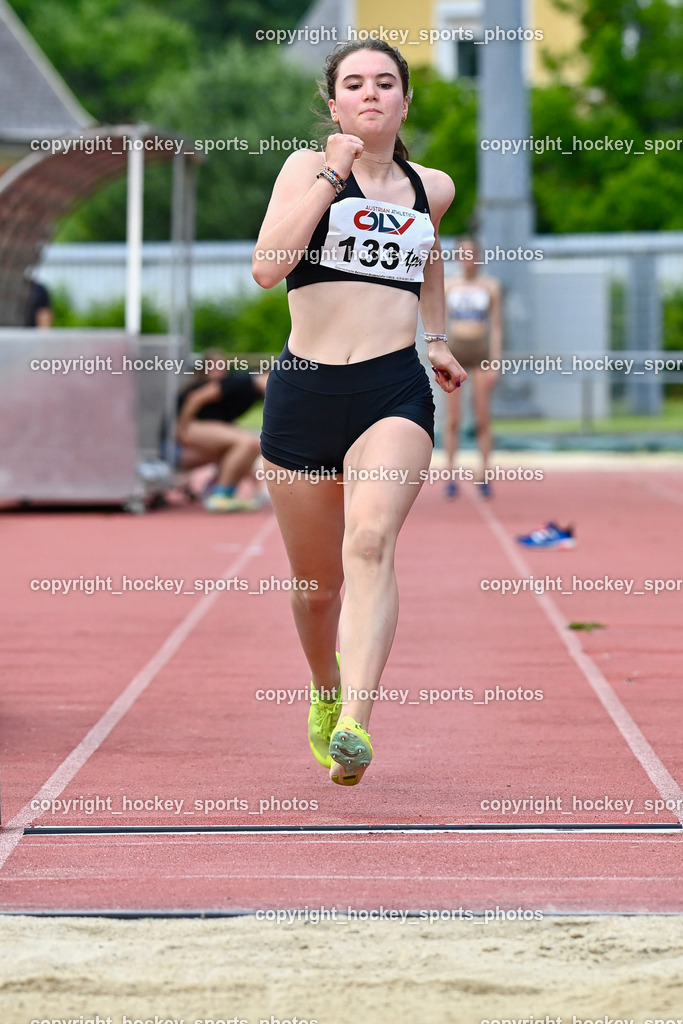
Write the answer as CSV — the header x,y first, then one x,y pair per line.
x,y
341,151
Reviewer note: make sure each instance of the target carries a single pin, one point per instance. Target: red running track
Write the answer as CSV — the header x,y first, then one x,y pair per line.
x,y
113,700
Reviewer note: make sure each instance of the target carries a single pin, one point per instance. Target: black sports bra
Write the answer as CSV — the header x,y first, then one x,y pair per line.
x,y
369,239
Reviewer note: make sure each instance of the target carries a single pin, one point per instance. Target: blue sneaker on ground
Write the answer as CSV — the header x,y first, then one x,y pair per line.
x,y
451,490
549,536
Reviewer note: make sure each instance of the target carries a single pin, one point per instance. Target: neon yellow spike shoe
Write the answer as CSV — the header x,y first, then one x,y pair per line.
x,y
351,752
322,719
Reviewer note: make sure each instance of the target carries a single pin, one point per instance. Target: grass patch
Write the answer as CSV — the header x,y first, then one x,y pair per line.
x,y
670,420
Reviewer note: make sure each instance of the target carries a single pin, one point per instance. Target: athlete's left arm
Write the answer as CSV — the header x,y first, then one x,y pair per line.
x,y
449,373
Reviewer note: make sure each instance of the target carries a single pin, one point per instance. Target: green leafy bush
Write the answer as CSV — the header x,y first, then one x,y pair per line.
x,y
235,324
258,324
104,314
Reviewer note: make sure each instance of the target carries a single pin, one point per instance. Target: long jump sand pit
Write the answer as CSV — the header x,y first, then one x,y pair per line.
x,y
597,968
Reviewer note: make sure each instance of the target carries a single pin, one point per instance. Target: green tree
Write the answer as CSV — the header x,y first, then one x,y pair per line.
x,y
216,20
592,189
634,52
597,190
245,110
209,22
171,63
254,109
441,131
111,53
633,91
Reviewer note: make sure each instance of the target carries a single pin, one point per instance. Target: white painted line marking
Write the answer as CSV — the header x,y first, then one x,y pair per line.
x,y
12,833
664,492
618,879
248,839
664,783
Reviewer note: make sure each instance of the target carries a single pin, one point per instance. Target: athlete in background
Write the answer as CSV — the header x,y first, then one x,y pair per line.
x,y
475,334
206,433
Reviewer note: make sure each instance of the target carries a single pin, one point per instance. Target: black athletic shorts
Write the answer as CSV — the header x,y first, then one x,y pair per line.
x,y
314,412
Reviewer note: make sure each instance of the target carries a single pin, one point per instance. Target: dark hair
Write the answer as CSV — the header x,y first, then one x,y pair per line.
x,y
344,49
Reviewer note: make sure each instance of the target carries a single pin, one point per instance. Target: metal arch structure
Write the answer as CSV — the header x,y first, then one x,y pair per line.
x,y
97,438
41,188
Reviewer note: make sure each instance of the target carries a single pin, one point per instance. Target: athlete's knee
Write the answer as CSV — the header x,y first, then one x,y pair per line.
x,y
250,445
368,541
317,599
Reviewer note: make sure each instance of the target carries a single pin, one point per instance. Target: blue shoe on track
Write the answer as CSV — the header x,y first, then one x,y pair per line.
x,y
550,536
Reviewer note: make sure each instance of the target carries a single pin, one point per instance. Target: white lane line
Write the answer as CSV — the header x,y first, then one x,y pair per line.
x,y
664,783
11,834
170,839
275,877
67,832
662,491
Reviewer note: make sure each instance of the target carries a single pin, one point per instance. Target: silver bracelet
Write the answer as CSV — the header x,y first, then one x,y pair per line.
x,y
434,337
337,183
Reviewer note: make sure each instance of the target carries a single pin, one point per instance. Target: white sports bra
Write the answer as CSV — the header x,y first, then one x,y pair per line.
x,y
469,302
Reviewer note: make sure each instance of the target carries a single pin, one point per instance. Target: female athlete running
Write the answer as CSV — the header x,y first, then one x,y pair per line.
x,y
355,236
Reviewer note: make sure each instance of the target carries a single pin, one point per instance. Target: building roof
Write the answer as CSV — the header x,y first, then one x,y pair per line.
x,y
34,101
40,189
323,24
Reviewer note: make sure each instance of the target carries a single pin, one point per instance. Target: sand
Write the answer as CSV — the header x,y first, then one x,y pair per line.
x,y
590,968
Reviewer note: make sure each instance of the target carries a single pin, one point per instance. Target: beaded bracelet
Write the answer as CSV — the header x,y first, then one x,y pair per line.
x,y
336,180
434,337
336,176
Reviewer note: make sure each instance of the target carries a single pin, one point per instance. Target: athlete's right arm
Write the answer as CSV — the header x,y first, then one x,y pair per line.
x,y
298,202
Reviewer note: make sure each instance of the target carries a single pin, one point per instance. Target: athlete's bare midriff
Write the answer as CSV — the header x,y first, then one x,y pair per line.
x,y
350,321
466,330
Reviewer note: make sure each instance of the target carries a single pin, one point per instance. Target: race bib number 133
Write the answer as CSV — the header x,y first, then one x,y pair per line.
x,y
374,239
